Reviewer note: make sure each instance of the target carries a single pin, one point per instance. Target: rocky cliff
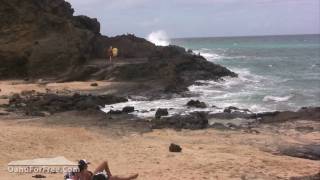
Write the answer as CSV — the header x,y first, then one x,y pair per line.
x,y
43,39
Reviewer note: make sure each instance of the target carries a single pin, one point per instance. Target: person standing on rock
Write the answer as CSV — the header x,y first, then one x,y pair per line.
x,y
110,54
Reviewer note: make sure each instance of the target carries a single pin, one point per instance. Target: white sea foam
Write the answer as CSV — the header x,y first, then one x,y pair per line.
x,y
208,55
277,98
147,109
159,38
214,56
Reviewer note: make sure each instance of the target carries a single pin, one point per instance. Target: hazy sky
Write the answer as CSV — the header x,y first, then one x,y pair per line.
x,y
203,18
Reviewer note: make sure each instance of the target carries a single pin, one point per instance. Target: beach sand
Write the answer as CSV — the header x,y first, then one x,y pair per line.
x,y
206,154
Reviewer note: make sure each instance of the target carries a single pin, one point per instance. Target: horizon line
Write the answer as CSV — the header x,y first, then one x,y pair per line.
x,y
235,36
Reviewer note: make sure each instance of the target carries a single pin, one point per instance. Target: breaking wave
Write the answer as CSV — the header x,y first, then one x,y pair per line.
x,y
277,98
159,38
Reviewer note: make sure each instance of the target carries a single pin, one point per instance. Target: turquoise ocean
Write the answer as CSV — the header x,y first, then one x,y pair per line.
x,y
275,73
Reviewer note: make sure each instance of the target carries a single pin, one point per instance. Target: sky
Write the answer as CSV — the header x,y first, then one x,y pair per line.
x,y
203,18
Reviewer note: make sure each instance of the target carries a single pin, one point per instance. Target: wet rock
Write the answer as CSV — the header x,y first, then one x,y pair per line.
x,y
128,109
195,120
232,109
161,112
197,104
309,113
233,115
306,152
115,112
94,84
36,104
174,148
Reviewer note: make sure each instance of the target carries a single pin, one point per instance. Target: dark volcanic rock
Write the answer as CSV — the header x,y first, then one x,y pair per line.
x,y
115,112
309,113
94,84
311,177
196,103
128,109
195,120
84,22
232,109
227,126
174,148
306,152
129,46
43,39
161,112
39,176
219,126
36,104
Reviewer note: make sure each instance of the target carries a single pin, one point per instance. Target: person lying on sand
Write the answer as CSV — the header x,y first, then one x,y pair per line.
x,y
102,172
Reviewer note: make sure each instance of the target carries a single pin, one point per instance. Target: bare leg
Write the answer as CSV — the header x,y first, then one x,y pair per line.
x,y
123,178
104,166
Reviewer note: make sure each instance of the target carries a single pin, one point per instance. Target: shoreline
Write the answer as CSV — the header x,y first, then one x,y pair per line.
x,y
132,145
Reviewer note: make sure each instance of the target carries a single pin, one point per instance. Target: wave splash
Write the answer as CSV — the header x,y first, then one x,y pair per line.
x,y
277,98
159,38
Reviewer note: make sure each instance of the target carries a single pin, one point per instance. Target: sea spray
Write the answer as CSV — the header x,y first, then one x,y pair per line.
x,y
159,38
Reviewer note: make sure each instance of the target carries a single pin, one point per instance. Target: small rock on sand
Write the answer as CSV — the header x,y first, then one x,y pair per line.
x,y
94,84
174,148
39,176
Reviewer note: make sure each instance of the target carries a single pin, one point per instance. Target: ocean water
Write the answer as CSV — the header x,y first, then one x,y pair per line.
x,y
275,73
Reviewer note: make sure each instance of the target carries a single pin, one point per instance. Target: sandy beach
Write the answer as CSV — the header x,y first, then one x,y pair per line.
x,y
130,148
171,90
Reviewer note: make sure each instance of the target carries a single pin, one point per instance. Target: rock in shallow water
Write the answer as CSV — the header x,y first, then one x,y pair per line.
x,y
195,120
197,104
128,109
161,112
